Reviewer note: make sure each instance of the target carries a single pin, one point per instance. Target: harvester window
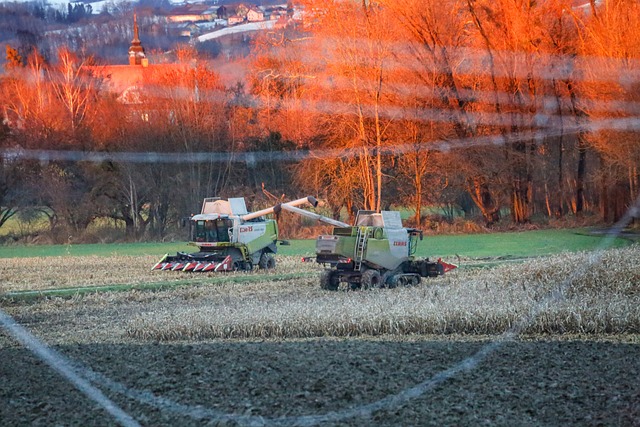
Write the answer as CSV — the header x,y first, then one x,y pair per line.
x,y
198,232
413,243
211,231
364,220
223,229
369,219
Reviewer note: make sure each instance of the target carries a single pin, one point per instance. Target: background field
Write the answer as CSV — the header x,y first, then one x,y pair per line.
x,y
274,349
526,243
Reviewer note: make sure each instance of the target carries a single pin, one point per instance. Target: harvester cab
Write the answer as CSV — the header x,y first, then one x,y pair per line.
x,y
375,252
229,237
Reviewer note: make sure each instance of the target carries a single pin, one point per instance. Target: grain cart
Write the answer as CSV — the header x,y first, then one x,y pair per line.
x,y
229,238
375,252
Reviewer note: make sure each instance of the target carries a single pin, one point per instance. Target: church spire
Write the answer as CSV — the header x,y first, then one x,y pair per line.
x,y
136,51
136,38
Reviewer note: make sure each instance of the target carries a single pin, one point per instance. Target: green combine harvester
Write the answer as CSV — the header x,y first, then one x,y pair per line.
x,y
229,238
375,252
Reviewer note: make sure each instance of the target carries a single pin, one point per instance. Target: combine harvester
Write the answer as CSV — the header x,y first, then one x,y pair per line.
x,y
376,252
229,237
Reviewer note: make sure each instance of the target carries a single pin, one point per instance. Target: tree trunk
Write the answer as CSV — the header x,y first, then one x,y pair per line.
x,y
582,166
604,191
521,183
520,206
560,200
418,217
547,200
481,195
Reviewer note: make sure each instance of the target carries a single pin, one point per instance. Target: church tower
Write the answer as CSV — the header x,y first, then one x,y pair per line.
x,y
136,51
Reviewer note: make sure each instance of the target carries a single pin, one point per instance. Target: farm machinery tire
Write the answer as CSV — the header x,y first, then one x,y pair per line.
x,y
390,280
395,278
329,280
267,261
370,279
241,266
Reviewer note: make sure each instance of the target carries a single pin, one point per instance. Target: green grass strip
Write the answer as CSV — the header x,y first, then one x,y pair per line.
x,y
521,243
26,296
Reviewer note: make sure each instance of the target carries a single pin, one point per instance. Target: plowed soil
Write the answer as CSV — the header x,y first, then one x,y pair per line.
x,y
556,383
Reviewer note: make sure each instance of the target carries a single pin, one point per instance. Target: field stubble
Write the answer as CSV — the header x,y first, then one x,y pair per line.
x,y
597,297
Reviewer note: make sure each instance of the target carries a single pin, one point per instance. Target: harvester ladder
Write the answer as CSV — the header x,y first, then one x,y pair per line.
x,y
361,247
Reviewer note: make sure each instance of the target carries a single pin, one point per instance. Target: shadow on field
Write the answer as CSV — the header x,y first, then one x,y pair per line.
x,y
522,383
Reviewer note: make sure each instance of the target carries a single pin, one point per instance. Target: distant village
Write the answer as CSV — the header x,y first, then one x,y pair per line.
x,y
199,22
195,19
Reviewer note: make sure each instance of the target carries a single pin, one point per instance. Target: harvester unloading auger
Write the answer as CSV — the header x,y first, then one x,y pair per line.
x,y
375,252
229,237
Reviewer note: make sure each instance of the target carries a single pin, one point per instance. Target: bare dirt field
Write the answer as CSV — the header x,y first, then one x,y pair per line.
x,y
282,352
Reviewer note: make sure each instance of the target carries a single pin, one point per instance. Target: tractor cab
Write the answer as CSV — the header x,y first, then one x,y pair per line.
x,y
216,221
211,230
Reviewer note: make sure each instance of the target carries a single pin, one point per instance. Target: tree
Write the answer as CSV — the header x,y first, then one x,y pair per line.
x,y
282,82
69,195
440,58
611,42
357,56
512,34
29,103
12,175
187,103
13,58
75,89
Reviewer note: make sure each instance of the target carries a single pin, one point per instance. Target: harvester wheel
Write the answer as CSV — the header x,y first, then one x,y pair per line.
x,y
267,261
388,280
392,281
329,280
370,279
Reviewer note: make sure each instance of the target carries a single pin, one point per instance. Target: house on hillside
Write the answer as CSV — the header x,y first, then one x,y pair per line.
x,y
242,10
275,13
194,29
186,29
255,14
235,19
249,12
193,13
